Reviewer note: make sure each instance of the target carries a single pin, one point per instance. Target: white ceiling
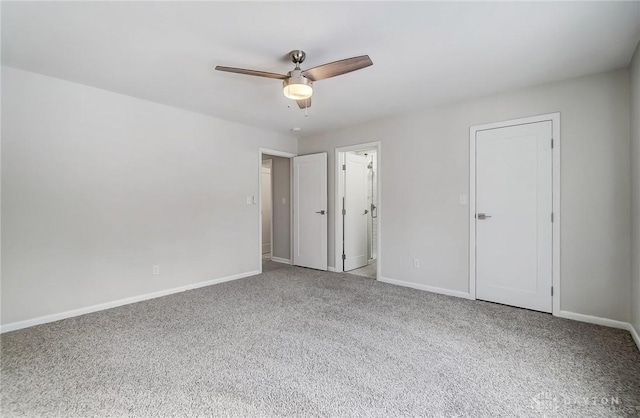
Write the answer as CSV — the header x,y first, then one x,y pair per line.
x,y
423,53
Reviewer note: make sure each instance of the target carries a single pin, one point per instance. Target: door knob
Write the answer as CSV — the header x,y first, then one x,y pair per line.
x,y
321,212
482,216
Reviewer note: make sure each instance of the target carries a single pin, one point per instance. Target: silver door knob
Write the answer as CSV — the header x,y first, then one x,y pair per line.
x,y
321,212
482,216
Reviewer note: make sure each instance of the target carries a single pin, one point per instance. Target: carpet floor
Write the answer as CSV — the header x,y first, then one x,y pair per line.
x,y
299,342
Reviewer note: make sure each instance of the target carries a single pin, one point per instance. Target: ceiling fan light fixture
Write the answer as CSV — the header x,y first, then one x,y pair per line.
x,y
297,86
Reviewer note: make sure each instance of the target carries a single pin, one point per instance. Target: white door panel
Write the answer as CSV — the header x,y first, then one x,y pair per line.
x,y
514,190
355,218
310,211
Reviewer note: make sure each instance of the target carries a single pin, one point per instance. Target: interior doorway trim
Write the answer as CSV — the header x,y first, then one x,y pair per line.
x,y
274,153
554,118
338,189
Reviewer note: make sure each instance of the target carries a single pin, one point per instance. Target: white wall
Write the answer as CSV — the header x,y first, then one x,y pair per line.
x,y
424,167
97,187
635,188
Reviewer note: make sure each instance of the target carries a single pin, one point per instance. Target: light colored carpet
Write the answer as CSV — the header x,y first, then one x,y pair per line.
x,y
369,270
268,265
298,342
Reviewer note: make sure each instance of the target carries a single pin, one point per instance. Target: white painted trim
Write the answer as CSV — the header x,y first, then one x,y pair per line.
x,y
338,190
635,335
427,288
612,323
120,302
281,260
275,153
555,123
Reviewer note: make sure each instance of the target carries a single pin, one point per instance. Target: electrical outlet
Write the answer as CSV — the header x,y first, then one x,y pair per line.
x,y
416,263
156,270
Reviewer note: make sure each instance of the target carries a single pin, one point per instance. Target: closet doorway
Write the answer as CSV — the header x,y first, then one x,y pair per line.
x,y
358,201
275,209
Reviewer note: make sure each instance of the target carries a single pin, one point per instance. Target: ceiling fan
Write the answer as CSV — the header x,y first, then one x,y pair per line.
x,y
298,83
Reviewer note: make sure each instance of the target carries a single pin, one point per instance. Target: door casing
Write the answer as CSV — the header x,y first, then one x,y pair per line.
x,y
554,118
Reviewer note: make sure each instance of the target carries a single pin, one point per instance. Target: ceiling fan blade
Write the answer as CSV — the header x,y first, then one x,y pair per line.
x,y
251,72
304,104
337,68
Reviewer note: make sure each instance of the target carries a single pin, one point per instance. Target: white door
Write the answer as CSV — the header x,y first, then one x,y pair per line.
x,y
310,211
513,215
266,210
355,212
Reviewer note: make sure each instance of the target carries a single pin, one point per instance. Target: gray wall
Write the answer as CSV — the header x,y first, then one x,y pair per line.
x,y
424,167
97,187
281,175
635,188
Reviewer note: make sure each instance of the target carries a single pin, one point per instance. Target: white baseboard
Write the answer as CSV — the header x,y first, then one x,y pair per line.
x,y
634,334
332,269
281,260
113,304
593,320
604,322
432,289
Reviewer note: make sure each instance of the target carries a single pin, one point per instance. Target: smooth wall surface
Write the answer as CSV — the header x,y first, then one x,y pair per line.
x,y
425,167
635,188
98,187
281,175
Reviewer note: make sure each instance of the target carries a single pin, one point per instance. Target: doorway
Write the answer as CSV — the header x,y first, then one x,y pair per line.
x,y
358,202
275,209
267,207
514,213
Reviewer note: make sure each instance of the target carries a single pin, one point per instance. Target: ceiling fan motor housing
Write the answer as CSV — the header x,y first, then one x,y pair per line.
x,y
297,86
297,56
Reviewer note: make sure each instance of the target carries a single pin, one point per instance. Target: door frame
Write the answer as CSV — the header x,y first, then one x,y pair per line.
x,y
554,118
274,153
270,168
339,190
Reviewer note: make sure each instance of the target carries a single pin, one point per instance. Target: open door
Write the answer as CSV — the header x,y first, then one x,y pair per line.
x,y
310,211
355,212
